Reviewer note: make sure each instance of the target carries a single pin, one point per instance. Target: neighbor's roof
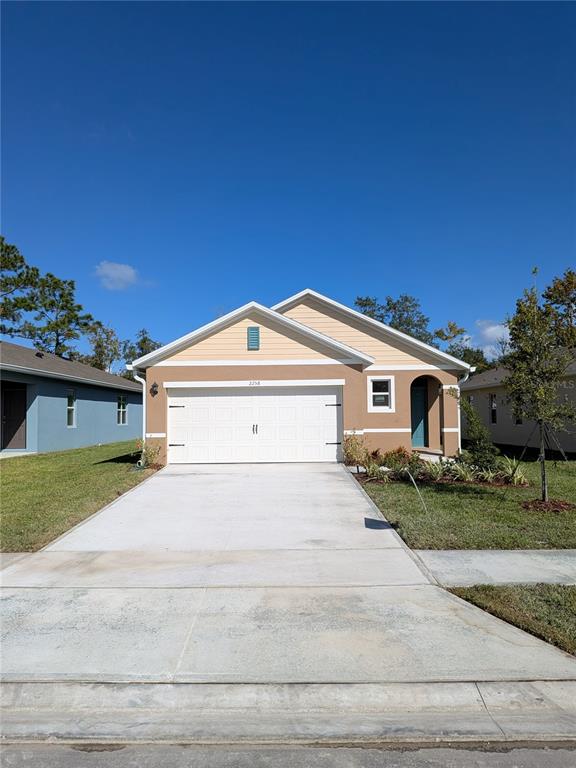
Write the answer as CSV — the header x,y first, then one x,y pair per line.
x,y
14,357
495,376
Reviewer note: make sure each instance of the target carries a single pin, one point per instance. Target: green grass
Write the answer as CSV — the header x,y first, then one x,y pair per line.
x,y
545,610
462,516
43,496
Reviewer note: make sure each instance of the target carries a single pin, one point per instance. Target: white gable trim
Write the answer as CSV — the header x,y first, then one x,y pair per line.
x,y
308,292
250,363
252,307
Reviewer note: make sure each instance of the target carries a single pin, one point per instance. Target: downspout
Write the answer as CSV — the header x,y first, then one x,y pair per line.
x,y
461,381
143,382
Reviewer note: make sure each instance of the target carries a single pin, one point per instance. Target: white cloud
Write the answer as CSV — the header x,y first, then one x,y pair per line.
x,y
116,277
488,335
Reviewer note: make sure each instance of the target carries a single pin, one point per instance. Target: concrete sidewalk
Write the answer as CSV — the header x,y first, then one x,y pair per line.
x,y
260,604
462,568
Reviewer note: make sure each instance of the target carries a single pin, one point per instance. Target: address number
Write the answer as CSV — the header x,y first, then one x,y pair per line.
x,y
253,383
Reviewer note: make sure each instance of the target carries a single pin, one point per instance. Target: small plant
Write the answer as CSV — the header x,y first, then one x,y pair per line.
x,y
511,472
464,473
434,471
148,455
490,476
355,450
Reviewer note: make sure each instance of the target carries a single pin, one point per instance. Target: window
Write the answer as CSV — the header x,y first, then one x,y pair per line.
x,y
71,408
380,394
518,420
493,409
253,334
121,412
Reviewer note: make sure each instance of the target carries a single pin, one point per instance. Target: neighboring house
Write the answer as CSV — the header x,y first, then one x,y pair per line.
x,y
287,383
52,404
488,396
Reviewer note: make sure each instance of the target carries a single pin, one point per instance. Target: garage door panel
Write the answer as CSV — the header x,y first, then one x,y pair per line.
x,y
276,424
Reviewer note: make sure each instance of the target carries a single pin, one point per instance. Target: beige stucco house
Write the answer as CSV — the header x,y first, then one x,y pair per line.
x,y
288,383
488,396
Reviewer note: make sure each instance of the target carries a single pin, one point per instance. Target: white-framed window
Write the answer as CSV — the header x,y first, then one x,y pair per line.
x,y
493,408
381,394
121,411
70,408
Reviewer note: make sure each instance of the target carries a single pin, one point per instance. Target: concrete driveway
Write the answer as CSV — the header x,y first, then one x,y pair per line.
x,y
256,574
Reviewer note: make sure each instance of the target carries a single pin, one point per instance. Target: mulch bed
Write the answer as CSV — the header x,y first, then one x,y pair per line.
x,y
552,505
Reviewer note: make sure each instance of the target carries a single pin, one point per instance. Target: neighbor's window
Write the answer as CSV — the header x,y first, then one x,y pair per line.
x,y
493,410
518,420
121,412
71,408
253,334
380,394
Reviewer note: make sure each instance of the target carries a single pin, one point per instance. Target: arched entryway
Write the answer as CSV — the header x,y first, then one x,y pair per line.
x,y
425,415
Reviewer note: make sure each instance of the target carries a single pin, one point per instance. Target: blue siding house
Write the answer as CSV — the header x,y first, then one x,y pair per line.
x,y
52,404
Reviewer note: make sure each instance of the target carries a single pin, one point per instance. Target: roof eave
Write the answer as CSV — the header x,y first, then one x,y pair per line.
x,y
67,377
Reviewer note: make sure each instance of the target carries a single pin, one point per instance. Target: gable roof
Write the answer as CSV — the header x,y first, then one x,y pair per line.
x,y
14,357
369,322
342,350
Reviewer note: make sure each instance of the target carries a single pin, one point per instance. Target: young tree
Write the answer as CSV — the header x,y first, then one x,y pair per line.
x,y
105,346
404,314
142,345
57,319
17,279
537,361
561,295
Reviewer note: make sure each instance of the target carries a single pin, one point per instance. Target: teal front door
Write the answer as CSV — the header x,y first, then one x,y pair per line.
x,y
419,411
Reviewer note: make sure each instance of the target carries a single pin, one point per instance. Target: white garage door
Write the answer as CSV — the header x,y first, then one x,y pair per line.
x,y
240,425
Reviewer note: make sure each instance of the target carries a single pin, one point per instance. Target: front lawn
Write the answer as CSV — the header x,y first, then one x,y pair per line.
x,y
545,610
43,496
466,516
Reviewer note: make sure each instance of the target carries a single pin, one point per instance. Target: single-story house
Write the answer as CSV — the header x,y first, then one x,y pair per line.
x,y
52,404
288,383
488,396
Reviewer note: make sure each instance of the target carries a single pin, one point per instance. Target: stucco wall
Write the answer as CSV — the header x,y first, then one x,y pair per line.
x,y
355,399
46,428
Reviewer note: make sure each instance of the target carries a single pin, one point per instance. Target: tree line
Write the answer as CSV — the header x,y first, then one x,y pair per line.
x,y
43,309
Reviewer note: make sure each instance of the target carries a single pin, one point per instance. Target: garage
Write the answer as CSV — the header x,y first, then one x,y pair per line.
x,y
273,424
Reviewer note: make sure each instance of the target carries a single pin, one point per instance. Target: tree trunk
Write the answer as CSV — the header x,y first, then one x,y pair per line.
x,y
542,460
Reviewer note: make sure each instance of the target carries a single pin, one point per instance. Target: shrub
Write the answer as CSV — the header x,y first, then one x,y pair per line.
x,y
355,450
148,454
398,458
481,451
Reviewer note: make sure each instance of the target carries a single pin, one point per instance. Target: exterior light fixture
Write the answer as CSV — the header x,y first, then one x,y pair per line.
x,y
154,389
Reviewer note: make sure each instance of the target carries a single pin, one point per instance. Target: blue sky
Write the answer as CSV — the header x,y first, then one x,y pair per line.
x,y
180,159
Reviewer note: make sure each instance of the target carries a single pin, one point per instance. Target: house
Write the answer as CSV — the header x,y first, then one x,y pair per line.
x,y
488,396
287,383
52,404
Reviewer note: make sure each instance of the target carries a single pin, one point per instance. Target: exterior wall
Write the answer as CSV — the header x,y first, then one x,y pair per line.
x,y
230,344
354,334
46,428
390,430
506,431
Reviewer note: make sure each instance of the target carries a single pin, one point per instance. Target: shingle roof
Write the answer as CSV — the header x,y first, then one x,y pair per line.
x,y
18,358
495,376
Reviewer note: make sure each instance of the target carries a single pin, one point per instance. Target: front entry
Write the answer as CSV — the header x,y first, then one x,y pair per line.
x,y
13,415
419,413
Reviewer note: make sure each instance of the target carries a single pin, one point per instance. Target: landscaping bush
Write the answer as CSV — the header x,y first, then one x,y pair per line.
x,y
481,451
355,450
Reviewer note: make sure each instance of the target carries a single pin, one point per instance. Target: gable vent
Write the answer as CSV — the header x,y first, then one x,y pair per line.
x,y
253,333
